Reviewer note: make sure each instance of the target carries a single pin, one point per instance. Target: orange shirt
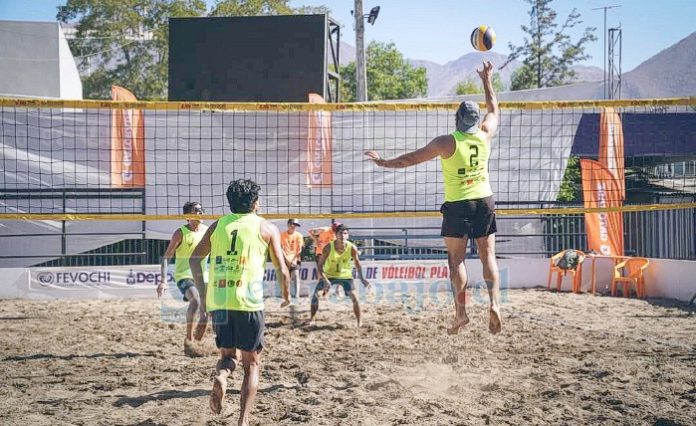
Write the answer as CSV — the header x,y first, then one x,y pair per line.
x,y
324,238
291,244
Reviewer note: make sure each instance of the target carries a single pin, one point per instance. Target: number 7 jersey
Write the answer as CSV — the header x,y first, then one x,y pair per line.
x,y
237,264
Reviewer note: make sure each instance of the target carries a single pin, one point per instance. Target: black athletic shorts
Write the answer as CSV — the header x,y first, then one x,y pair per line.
x,y
468,218
346,283
183,285
239,329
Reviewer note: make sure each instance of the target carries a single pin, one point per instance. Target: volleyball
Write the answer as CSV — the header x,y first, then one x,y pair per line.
x,y
483,38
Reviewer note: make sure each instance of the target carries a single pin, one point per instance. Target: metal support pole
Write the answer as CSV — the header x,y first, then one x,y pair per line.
x,y
604,64
63,237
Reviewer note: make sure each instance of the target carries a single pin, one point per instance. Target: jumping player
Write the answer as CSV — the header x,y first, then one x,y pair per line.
x,y
469,209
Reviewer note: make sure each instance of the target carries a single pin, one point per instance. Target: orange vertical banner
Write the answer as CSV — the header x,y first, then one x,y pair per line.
x,y
600,189
319,147
611,146
127,143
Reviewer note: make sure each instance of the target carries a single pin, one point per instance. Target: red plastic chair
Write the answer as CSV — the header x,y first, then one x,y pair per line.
x,y
577,272
630,272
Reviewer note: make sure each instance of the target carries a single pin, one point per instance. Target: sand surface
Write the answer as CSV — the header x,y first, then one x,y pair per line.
x,y
561,359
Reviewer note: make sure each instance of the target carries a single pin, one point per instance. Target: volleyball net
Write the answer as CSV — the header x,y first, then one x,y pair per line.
x,y
99,171
94,159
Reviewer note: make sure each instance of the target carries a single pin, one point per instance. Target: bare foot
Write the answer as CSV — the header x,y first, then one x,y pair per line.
x,y
217,395
200,330
457,324
495,324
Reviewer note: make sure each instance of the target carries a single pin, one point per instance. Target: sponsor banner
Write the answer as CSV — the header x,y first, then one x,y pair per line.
x,y
127,143
319,146
406,272
126,278
142,280
611,146
601,189
374,271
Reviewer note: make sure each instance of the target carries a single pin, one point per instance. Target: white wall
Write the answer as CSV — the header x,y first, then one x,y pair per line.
x,y
70,83
673,279
35,61
15,283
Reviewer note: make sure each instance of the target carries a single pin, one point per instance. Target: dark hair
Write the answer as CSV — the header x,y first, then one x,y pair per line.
x,y
189,206
340,228
242,194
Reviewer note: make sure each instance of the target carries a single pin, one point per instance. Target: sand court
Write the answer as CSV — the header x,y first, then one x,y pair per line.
x,y
561,358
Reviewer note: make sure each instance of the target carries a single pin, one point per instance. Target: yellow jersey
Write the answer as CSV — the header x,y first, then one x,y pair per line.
x,y
466,171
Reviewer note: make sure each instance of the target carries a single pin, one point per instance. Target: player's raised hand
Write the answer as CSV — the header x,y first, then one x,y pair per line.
x,y
486,72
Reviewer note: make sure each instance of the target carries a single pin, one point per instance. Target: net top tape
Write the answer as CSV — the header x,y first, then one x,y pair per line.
x,y
349,215
298,107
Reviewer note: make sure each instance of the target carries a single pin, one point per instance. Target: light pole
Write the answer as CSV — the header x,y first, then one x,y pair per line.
x,y
360,66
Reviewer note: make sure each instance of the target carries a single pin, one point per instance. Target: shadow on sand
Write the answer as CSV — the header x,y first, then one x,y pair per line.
x,y
90,356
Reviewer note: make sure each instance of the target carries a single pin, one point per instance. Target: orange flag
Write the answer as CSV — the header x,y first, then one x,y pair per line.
x,y
611,146
319,144
127,143
601,189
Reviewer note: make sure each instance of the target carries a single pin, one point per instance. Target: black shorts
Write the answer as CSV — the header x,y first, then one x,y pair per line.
x,y
346,283
239,329
183,285
468,218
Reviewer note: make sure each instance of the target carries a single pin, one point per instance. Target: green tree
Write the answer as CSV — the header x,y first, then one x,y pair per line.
x,y
251,8
389,75
571,185
126,42
467,87
472,86
548,53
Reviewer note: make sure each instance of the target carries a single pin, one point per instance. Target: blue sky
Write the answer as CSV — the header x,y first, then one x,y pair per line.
x,y
438,30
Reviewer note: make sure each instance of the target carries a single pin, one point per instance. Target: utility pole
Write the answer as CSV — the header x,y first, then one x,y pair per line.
x,y
360,69
604,64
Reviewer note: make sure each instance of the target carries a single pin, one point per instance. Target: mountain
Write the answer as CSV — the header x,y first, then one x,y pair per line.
x,y
585,73
347,53
669,73
443,79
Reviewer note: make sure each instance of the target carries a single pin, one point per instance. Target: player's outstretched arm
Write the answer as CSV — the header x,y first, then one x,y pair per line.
x,y
490,120
431,150
272,235
168,254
